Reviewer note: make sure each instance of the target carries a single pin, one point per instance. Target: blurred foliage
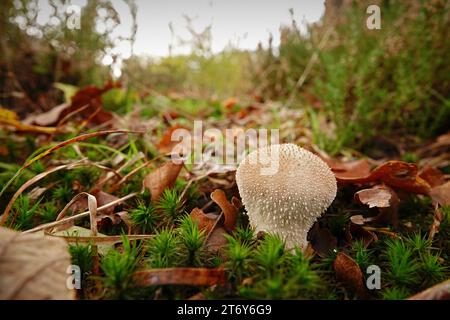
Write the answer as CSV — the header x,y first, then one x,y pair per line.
x,y
200,73
67,48
366,82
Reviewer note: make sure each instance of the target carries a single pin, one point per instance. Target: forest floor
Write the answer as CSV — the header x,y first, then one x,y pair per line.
x,y
142,227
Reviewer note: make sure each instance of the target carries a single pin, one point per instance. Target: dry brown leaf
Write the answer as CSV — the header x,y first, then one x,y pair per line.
x,y
349,273
47,118
90,96
9,118
381,197
441,291
441,194
229,210
396,174
180,276
322,240
378,197
166,143
348,170
33,267
162,178
204,221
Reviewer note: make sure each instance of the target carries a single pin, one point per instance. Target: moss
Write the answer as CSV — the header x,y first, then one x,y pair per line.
x,y
118,268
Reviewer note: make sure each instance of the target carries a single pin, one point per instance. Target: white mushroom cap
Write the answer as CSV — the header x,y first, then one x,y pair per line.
x,y
290,199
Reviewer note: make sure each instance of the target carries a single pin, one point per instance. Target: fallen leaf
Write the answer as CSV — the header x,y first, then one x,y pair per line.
x,y
180,276
441,194
166,144
378,196
162,178
229,210
396,174
441,291
33,267
349,170
349,273
47,118
90,96
204,221
383,198
322,241
9,119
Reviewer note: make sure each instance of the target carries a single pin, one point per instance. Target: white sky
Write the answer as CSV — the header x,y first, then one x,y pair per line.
x,y
243,23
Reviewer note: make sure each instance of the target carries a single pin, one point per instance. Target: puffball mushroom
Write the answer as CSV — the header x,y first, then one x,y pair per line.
x,y
288,198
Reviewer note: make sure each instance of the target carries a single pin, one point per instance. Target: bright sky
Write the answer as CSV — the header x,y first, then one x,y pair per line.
x,y
243,23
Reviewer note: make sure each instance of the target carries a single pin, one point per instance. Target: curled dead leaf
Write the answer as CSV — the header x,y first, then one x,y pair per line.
x,y
204,221
229,210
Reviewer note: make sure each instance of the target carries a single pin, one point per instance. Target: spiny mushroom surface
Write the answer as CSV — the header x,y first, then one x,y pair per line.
x,y
290,199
